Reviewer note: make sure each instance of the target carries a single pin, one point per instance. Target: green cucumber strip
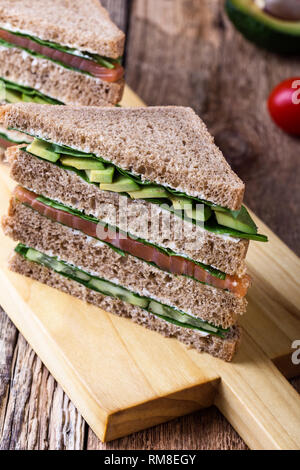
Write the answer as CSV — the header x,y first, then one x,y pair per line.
x,y
30,92
56,205
113,290
5,137
104,61
212,227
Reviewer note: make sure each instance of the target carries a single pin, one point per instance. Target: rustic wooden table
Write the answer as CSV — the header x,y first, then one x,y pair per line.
x,y
181,52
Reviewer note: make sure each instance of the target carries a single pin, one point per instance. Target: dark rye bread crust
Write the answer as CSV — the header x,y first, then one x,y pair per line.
x,y
218,347
167,145
44,178
80,25
57,82
216,306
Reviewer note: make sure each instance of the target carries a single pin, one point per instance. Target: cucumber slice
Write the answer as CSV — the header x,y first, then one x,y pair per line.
x,y
107,288
34,255
122,185
101,176
42,150
136,300
112,290
82,163
41,258
183,318
82,276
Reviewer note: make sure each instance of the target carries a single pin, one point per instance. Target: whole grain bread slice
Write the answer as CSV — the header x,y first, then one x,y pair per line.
x,y
83,25
168,145
218,347
143,220
215,306
66,85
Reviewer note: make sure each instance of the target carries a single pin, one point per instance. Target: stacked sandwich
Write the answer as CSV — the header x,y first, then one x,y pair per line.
x,y
58,52
136,211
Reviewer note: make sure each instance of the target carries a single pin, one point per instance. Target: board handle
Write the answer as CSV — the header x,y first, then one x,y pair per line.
x,y
258,401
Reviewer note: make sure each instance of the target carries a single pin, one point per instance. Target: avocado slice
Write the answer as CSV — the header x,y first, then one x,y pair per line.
x,y
264,29
149,192
13,96
26,98
42,150
123,184
201,214
240,220
101,176
82,163
38,99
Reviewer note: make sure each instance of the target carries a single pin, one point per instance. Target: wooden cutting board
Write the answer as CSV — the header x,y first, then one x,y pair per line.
x,y
124,378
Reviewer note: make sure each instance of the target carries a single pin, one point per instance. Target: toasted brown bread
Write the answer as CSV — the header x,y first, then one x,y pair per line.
x,y
166,145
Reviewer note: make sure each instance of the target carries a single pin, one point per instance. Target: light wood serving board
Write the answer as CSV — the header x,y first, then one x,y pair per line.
x,y
124,378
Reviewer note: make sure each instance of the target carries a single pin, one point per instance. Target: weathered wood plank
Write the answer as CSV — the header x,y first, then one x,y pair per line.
x,y
35,413
203,430
8,340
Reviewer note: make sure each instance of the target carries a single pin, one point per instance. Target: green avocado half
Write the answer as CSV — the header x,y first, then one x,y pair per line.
x,y
264,29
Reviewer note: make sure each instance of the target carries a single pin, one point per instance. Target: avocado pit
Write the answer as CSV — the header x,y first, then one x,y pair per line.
x,y
284,9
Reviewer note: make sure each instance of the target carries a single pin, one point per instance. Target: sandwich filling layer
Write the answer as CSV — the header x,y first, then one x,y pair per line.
x,y
109,177
11,138
139,218
108,288
14,93
106,69
162,258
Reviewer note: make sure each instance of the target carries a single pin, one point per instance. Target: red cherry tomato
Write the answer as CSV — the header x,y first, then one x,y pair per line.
x,y
284,105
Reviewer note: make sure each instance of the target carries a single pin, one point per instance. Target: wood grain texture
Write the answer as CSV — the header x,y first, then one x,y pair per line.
x,y
190,50
38,415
